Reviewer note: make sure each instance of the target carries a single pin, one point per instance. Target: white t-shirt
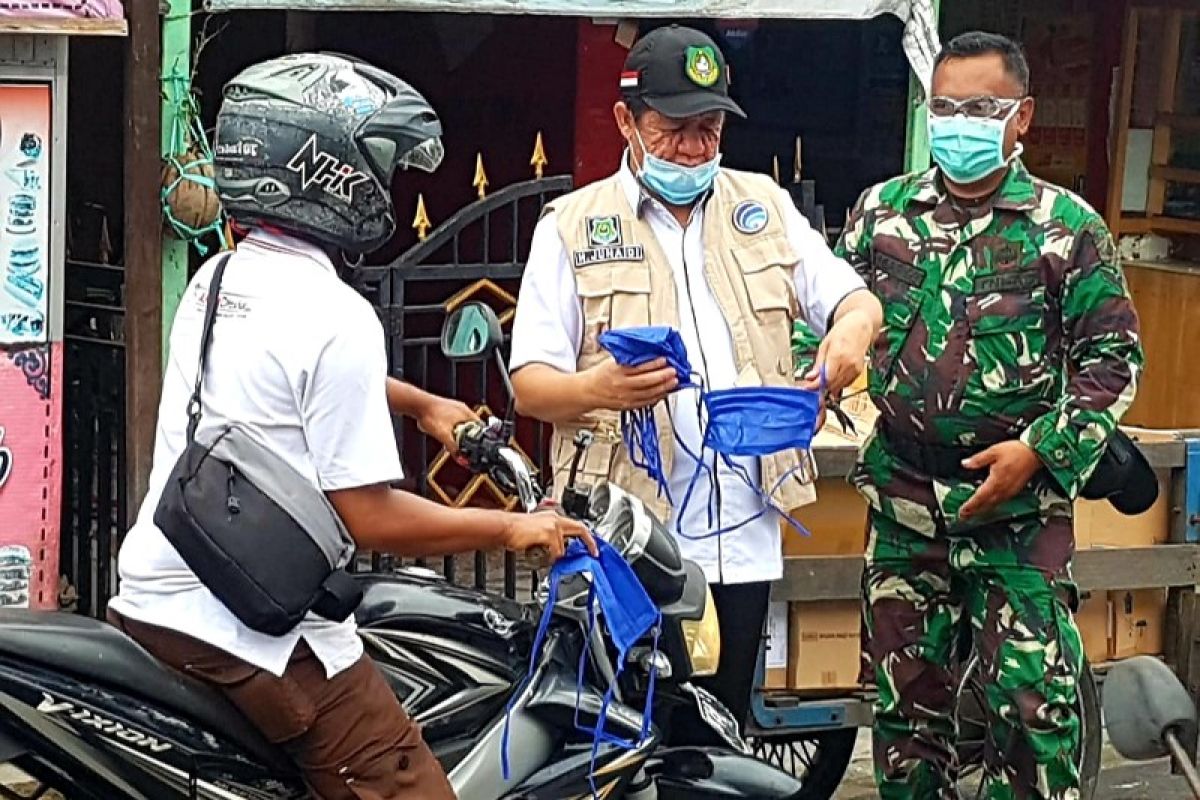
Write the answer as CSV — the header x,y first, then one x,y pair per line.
x,y
548,329
298,357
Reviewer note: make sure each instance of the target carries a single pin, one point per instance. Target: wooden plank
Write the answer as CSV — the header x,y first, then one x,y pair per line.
x,y
1148,567
1174,174
143,241
1134,225
823,578
835,462
1156,566
1173,628
1160,154
64,26
1116,183
1187,123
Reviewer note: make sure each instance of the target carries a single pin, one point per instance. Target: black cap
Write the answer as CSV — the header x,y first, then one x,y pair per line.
x,y
678,72
1124,477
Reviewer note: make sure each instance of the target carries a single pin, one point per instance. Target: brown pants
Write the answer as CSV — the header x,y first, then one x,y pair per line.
x,y
348,734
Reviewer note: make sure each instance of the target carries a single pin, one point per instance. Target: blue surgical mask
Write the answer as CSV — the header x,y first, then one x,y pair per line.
x,y
677,184
969,149
755,421
631,347
630,615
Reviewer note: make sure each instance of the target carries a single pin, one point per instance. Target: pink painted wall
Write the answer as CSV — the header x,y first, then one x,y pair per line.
x,y
30,474
88,9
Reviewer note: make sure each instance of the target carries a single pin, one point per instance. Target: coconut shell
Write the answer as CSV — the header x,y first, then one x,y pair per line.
x,y
191,203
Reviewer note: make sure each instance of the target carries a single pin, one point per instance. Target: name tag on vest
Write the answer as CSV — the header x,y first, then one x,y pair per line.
x,y
603,255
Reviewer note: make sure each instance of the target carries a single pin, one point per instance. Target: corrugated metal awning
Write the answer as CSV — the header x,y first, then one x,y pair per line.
x,y
920,29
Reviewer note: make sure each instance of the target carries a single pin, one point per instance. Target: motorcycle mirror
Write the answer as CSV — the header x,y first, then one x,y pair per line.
x,y
472,333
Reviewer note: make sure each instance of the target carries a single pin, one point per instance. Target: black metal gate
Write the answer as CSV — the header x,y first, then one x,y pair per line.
x,y
93,512
477,254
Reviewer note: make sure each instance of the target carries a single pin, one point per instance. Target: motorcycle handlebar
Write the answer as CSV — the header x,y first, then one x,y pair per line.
x,y
485,449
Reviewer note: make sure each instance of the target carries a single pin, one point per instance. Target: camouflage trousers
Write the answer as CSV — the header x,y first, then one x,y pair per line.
x,y
1009,582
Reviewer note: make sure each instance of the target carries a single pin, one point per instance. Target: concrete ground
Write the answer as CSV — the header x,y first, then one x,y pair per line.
x,y
1119,779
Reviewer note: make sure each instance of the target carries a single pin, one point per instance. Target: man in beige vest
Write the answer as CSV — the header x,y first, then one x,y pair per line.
x,y
724,257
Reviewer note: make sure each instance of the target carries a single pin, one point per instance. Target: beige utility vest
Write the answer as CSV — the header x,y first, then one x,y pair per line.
x,y
624,279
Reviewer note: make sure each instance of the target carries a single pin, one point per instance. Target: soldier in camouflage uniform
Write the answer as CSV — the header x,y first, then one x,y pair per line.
x,y
1009,351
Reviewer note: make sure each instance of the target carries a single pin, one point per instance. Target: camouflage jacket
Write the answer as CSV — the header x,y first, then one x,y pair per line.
x,y
1014,322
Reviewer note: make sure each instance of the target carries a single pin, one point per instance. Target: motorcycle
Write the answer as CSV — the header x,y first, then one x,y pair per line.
x,y
87,711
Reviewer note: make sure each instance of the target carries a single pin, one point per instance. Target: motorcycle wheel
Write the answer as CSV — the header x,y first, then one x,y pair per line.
x,y
973,721
819,759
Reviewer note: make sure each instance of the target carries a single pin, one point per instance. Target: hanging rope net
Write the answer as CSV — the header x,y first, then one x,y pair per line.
x,y
189,193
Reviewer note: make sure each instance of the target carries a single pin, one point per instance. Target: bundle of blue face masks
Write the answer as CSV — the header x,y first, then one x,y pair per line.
x,y
755,421
741,421
632,347
629,614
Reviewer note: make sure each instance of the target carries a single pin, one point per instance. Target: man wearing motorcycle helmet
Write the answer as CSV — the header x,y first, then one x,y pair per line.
x,y
306,146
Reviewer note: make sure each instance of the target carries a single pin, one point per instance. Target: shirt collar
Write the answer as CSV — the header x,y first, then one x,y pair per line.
x,y
635,193
276,242
1017,191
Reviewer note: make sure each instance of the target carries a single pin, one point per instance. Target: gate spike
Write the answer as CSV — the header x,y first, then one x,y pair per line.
x,y
775,168
796,174
481,181
539,160
421,221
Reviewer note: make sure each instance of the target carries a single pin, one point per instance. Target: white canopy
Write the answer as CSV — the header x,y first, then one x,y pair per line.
x,y
920,28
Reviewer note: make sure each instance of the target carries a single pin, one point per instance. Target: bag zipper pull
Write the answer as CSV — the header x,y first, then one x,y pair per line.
x,y
232,504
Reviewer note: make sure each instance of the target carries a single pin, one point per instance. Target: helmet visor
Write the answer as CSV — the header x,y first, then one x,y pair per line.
x,y
427,156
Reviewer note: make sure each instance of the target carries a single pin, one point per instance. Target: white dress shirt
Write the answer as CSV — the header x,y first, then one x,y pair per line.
x,y
548,330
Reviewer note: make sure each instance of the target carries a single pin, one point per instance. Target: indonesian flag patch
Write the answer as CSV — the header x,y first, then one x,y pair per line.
x,y
630,80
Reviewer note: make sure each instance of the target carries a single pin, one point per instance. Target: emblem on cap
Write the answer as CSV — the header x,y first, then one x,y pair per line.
x,y
750,216
604,231
702,67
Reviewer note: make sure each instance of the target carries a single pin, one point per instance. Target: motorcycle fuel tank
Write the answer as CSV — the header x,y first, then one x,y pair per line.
x,y
452,654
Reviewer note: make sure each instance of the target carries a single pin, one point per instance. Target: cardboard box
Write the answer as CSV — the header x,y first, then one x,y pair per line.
x,y
1094,620
824,650
777,646
837,523
1098,524
1138,617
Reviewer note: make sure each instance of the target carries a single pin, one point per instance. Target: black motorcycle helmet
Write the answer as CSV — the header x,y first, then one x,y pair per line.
x,y
308,143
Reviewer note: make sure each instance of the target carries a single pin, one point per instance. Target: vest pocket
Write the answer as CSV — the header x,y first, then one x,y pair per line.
x,y
766,269
615,295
